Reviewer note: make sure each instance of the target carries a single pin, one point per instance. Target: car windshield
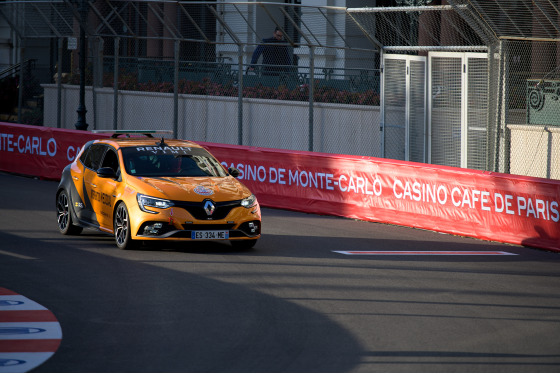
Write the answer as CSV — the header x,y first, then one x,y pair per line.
x,y
171,162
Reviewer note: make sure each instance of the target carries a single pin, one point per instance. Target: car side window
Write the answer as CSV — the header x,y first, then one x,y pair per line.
x,y
111,160
93,157
84,158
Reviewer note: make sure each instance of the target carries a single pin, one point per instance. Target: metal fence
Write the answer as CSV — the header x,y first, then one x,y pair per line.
x,y
470,84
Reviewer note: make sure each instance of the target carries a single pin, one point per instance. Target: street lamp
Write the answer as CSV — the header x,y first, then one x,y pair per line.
x,y
81,123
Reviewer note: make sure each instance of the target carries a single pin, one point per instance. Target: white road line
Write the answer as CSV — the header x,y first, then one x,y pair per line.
x,y
16,255
427,253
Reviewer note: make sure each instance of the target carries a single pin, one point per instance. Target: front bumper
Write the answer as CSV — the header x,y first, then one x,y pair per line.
x,y
161,230
180,221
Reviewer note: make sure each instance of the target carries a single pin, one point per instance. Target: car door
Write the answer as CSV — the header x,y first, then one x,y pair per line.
x,y
106,190
77,190
92,199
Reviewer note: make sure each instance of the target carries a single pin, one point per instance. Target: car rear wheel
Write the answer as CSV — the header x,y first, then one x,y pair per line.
x,y
64,217
243,244
121,228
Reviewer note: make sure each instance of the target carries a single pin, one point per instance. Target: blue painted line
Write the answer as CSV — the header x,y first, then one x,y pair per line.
x,y
20,330
10,302
10,362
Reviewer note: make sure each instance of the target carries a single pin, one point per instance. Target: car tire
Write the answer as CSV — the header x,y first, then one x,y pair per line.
x,y
121,228
243,244
64,216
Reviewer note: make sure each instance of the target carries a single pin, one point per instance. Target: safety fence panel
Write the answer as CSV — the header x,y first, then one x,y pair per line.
x,y
405,107
394,106
477,112
417,143
446,110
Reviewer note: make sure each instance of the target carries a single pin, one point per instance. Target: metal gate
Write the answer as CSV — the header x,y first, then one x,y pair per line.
x,y
458,115
404,107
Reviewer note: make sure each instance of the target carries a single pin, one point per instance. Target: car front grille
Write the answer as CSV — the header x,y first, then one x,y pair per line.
x,y
194,227
196,209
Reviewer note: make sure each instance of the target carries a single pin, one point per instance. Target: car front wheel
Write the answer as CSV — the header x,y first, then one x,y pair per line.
x,y
121,228
64,217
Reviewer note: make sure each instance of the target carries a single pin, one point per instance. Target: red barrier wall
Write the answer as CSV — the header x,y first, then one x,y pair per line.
x,y
490,206
39,151
485,205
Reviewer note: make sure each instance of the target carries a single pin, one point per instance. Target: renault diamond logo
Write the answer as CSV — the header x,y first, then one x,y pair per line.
x,y
209,207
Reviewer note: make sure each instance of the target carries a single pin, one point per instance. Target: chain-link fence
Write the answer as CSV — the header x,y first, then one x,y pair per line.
x,y
21,98
263,74
532,119
470,84
524,56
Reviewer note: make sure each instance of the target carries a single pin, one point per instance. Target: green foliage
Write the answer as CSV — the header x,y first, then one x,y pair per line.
x,y
207,87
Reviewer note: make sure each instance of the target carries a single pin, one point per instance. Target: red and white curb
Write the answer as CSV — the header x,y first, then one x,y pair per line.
x,y
29,333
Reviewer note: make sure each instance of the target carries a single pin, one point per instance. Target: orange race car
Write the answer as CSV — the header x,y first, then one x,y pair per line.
x,y
141,188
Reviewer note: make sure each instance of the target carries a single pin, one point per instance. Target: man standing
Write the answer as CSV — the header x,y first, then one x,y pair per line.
x,y
275,57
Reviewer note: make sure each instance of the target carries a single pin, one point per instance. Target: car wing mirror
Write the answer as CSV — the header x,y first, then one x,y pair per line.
x,y
234,172
106,173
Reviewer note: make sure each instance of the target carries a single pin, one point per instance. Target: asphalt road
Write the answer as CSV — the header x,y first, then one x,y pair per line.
x,y
292,304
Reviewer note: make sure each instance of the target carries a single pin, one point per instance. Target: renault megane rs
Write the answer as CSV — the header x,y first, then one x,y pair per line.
x,y
141,188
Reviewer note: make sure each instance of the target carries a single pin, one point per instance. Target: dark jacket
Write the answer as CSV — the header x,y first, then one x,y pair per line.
x,y
273,55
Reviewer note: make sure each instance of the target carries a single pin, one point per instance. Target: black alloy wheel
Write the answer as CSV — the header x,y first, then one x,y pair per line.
x,y
64,217
121,228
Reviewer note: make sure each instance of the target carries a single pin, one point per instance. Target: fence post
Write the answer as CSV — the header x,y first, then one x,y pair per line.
x,y
116,43
21,78
59,84
505,52
81,123
176,91
97,71
240,95
382,106
491,114
98,47
500,111
311,93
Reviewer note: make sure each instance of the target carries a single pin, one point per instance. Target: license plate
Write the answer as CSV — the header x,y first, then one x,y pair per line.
x,y
209,235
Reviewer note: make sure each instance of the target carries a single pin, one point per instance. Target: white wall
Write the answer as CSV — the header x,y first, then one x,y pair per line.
x,y
338,128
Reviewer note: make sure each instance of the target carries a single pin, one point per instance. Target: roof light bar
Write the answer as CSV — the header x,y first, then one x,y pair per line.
x,y
147,133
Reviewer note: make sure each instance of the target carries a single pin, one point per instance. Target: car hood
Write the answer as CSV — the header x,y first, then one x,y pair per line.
x,y
192,188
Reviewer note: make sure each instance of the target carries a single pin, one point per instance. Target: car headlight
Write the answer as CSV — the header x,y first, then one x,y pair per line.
x,y
249,202
152,202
